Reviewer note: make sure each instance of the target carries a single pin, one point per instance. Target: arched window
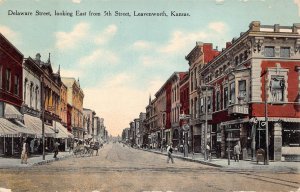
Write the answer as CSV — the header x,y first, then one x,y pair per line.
x,y
31,94
241,57
236,60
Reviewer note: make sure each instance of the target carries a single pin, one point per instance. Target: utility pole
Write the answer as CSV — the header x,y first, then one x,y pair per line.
x,y
205,129
266,120
43,115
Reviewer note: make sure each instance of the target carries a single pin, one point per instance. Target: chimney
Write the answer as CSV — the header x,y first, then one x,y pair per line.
x,y
254,26
38,57
228,44
296,27
276,28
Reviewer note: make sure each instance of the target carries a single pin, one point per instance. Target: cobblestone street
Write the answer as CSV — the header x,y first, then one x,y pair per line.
x,y
119,168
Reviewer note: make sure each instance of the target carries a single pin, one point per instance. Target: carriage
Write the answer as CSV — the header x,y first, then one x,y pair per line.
x,y
86,150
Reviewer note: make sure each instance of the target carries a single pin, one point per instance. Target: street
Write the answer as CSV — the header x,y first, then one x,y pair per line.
x,y
119,168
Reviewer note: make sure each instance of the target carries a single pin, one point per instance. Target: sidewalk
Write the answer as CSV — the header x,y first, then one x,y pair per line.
x,y
242,165
6,162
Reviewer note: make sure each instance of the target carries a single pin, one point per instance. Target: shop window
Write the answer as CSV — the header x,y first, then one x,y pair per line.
x,y
291,135
232,93
284,52
269,51
225,97
277,86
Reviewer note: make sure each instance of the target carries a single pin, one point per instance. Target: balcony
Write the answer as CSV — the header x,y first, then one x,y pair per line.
x,y
238,109
200,118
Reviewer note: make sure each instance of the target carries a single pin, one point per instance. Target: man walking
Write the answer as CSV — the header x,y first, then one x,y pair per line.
x,y
170,151
55,150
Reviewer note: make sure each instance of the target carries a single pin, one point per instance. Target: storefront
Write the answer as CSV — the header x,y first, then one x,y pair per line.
x,y
235,132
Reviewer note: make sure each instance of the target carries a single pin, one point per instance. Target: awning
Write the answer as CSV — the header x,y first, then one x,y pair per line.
x,y
284,119
235,121
35,124
11,112
61,131
8,128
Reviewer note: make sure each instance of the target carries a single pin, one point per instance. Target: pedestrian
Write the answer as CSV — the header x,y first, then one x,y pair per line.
x,y
55,149
237,152
32,146
170,151
71,146
24,154
208,151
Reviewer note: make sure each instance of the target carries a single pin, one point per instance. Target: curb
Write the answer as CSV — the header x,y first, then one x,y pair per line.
x,y
186,159
51,160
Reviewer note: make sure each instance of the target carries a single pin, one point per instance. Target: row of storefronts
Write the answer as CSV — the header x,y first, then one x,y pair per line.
x,y
232,96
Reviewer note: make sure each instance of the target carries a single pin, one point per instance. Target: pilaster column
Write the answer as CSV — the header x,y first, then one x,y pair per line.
x,y
277,141
223,140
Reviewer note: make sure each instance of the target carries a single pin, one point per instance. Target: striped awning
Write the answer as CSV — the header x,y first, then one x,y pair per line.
x,y
61,131
35,124
11,112
8,128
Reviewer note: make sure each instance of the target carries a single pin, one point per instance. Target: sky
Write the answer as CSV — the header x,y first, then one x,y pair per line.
x,y
121,60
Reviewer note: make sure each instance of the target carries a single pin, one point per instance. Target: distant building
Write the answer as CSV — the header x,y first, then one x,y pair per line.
x,y
75,101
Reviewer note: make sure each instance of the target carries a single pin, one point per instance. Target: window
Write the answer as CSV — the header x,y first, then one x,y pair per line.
x,y
241,57
277,86
7,79
192,84
195,73
17,85
0,76
245,55
242,89
284,52
36,97
209,104
232,93
25,88
269,51
31,94
195,107
236,60
202,105
218,101
225,97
